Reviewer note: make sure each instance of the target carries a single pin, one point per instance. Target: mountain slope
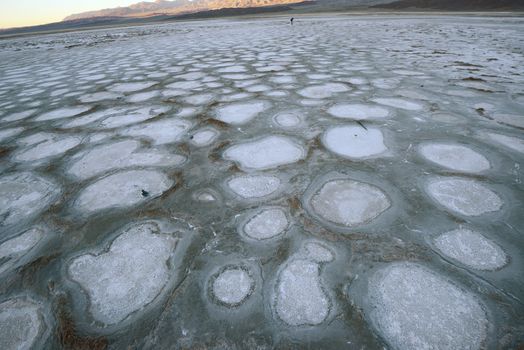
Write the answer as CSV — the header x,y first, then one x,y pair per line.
x,y
143,9
456,5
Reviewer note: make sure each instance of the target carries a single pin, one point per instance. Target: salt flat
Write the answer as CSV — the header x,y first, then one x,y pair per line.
x,y
345,182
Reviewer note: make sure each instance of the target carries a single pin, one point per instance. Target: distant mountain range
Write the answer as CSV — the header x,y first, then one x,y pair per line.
x,y
178,7
175,7
455,5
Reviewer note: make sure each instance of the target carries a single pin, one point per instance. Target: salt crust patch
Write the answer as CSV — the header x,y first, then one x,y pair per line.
x,y
415,308
118,155
471,249
349,202
24,195
123,189
22,324
265,223
300,298
240,113
265,153
254,186
354,141
127,277
358,111
14,249
160,132
464,196
455,157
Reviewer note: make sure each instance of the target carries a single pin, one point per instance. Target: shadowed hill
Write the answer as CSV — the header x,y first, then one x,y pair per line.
x,y
456,5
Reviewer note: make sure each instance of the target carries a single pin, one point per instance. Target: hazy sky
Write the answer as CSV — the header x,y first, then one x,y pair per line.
x,y
17,13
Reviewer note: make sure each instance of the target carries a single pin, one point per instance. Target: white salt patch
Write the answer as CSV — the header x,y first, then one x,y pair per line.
x,y
22,324
466,197
200,99
8,133
14,249
399,103
19,115
318,252
354,141
235,97
24,195
510,119
254,186
99,96
132,116
358,111
185,85
471,249
349,203
240,113
233,286
123,189
265,224
455,157
265,153
119,155
142,96
287,120
513,143
414,308
205,196
204,137
129,276
131,87
232,69
66,112
323,91
54,146
300,297
160,132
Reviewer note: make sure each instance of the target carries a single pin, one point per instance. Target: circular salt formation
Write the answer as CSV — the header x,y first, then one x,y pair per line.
x,y
466,197
53,146
131,87
240,113
14,249
123,189
300,299
323,91
354,141
22,324
266,224
510,142
414,308
471,249
349,203
357,111
204,137
8,133
24,195
232,286
117,155
399,103
66,112
205,196
160,132
455,157
254,186
287,120
128,276
265,153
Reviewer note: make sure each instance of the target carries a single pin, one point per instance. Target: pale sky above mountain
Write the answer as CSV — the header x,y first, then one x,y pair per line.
x,y
17,13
